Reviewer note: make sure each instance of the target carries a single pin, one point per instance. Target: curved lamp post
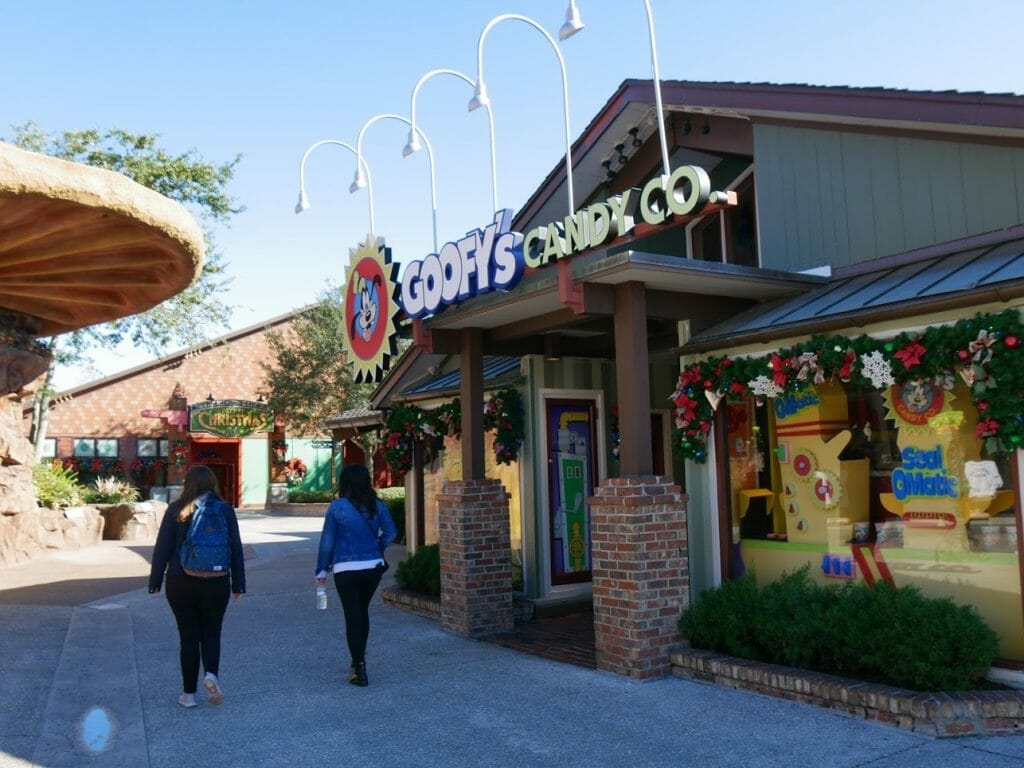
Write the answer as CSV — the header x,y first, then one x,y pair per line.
x,y
303,203
573,24
358,182
480,98
413,144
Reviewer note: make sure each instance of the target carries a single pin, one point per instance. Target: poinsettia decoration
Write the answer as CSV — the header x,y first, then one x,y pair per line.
x,y
504,414
294,471
983,350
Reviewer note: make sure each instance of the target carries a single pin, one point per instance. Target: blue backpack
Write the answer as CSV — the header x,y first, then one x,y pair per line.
x,y
206,549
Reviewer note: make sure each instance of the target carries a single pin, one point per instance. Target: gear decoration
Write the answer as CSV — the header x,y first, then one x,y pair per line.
x,y
804,463
370,308
827,489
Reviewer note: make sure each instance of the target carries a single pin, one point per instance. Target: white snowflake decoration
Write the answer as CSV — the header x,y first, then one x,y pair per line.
x,y
878,369
762,386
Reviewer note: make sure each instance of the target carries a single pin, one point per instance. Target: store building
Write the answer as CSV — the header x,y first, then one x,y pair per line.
x,y
206,404
794,211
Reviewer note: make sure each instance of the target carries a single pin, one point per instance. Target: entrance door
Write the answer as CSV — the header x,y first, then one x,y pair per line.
x,y
222,457
572,468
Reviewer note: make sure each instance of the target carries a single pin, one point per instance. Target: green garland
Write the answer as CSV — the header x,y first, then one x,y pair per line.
x,y
983,350
406,424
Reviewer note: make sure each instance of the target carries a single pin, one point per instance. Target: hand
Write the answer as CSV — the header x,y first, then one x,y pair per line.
x,y
236,596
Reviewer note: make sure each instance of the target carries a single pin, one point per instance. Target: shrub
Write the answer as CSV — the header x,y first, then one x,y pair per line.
x,y
310,497
110,490
884,634
421,572
55,485
395,500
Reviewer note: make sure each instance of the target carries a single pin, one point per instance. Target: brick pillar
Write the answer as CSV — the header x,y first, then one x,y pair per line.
x,y
641,577
476,557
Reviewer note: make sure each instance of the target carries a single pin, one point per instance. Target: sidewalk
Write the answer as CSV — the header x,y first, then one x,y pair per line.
x,y
96,683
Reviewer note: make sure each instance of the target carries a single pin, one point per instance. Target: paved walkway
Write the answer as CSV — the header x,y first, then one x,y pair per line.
x,y
90,678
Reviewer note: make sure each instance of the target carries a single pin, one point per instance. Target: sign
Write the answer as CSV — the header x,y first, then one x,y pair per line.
x,y
230,418
494,258
370,307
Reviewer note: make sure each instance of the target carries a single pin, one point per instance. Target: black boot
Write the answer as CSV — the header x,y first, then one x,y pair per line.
x,y
358,676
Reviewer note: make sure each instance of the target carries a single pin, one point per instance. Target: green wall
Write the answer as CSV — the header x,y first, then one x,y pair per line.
x,y
255,469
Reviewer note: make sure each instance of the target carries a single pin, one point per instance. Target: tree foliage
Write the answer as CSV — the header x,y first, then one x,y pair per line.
x,y
308,378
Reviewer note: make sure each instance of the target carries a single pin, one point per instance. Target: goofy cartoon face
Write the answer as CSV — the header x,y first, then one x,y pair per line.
x,y
367,309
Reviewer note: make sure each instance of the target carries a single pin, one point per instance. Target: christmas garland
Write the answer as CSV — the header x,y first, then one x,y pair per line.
x,y
406,424
983,350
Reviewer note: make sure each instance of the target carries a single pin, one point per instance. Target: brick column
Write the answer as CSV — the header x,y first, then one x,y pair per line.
x,y
641,577
476,557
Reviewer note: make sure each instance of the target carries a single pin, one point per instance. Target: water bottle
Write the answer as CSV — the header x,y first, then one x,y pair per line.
x,y
321,597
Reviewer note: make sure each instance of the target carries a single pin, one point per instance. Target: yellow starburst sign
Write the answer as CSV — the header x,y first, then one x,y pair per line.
x,y
370,307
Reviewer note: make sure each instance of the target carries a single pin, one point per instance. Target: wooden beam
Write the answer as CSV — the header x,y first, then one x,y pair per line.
x,y
633,379
471,367
669,305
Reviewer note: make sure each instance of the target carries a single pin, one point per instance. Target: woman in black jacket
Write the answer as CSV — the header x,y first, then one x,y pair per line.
x,y
198,603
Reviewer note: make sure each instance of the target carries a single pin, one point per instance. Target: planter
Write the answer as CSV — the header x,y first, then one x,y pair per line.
x,y
138,521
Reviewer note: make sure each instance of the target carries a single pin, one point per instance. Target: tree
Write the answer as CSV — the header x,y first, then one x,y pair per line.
x,y
201,186
308,378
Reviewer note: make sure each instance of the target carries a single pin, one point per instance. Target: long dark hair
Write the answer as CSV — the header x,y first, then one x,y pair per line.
x,y
198,480
354,484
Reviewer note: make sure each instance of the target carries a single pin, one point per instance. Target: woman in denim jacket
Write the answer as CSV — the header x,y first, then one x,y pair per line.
x,y
357,530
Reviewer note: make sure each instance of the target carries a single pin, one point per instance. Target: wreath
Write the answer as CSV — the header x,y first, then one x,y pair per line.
x,y
983,350
179,453
294,471
504,414
279,450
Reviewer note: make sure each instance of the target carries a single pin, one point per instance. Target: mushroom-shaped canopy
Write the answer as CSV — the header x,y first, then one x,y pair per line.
x,y
82,245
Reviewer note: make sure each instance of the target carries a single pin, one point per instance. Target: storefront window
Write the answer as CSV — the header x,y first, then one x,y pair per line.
x,y
892,486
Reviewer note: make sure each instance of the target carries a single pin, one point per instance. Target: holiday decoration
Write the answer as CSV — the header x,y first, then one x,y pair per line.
x,y
983,350
279,450
294,471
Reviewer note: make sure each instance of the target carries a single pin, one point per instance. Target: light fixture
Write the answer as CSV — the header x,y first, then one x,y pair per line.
x,y
303,203
636,139
552,347
430,158
413,145
261,398
574,23
687,127
609,173
209,398
358,182
706,128
620,148
480,91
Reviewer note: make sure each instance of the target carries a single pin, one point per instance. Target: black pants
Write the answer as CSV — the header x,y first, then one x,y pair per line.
x,y
355,589
198,606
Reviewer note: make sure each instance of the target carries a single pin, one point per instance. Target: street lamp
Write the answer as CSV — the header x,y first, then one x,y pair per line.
x,y
303,203
413,144
480,98
573,24
358,181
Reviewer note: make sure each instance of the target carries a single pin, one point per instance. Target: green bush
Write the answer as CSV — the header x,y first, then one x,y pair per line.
x,y
421,572
395,500
310,497
55,485
883,634
110,490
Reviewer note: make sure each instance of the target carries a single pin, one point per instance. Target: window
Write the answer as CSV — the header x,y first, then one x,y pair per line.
x,y
146,447
730,235
50,447
162,446
107,448
85,447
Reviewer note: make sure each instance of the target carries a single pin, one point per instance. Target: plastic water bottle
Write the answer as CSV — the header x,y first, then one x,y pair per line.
x,y
321,597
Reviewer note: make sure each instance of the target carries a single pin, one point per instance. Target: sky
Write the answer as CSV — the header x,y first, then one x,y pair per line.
x,y
266,79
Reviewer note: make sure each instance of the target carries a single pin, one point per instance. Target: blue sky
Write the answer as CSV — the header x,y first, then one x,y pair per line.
x,y
267,79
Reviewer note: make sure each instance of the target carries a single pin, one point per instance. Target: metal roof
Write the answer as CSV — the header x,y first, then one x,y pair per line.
x,y
494,367
955,274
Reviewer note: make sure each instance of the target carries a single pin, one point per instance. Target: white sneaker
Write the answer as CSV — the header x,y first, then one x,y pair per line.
x,y
213,691
187,700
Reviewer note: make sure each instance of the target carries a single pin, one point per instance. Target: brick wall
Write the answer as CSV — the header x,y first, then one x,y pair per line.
x,y
112,407
641,576
476,574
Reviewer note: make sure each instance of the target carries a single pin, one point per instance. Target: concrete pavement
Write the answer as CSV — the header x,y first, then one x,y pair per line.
x,y
90,678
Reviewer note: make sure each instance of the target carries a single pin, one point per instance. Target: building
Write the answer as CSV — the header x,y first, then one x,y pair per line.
x,y
206,404
793,212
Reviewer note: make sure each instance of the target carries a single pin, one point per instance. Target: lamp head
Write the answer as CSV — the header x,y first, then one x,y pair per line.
x,y
573,22
634,131
358,182
303,203
412,145
480,98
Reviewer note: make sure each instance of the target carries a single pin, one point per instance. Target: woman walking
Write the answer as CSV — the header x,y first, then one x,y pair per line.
x,y
357,530
199,602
